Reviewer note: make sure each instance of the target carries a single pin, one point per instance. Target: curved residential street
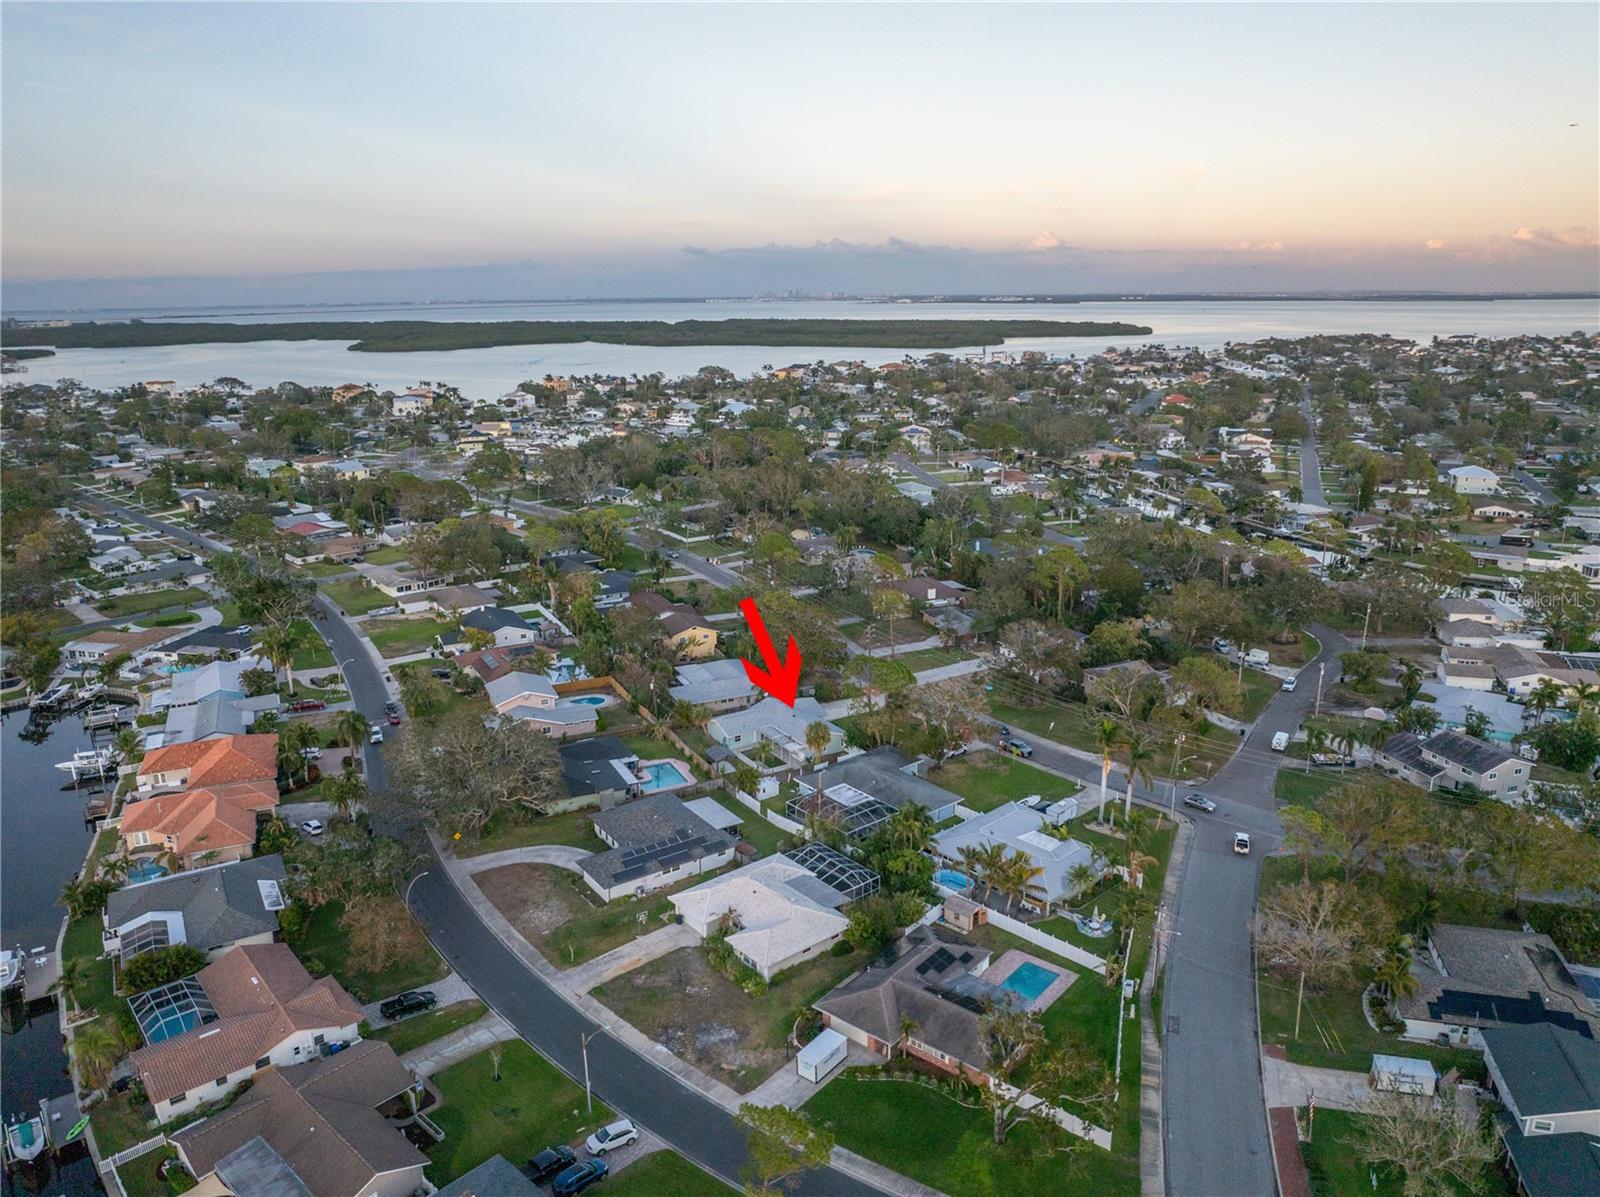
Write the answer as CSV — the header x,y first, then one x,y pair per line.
x,y
1310,460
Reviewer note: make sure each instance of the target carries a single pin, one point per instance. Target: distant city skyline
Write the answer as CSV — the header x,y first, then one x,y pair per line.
x,y
171,155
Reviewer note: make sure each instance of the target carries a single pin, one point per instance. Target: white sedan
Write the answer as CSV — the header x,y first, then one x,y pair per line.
x,y
313,827
608,1138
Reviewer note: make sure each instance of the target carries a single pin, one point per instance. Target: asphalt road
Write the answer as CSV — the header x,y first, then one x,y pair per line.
x,y
1310,460
692,1124
1541,493
693,562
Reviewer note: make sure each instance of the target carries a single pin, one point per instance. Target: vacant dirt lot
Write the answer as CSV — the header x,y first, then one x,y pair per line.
x,y
535,898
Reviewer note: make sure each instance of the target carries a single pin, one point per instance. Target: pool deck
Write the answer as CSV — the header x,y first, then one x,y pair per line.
x,y
1002,968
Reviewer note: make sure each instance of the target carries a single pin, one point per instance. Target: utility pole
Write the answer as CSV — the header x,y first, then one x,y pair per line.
x,y
1364,620
1320,669
588,1094
1172,797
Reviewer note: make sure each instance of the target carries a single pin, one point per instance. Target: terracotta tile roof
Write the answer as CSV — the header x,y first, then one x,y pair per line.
x,y
214,762
319,1118
262,996
204,819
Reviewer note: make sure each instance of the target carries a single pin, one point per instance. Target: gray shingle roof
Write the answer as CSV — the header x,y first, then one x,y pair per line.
x,y
1548,1070
220,905
495,1177
651,834
882,774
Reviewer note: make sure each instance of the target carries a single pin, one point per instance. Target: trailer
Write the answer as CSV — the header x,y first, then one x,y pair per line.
x,y
822,1055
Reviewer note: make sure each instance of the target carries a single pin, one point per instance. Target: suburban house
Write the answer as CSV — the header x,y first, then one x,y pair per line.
x,y
600,770
721,685
924,997
884,775
1473,480
324,1128
1018,828
654,841
199,826
532,698
505,629
210,719
495,1177
210,763
1548,1079
213,680
449,600
93,648
396,584
254,1008
777,725
1450,760
1474,978
212,909
780,912
1520,669
932,592
685,630
611,588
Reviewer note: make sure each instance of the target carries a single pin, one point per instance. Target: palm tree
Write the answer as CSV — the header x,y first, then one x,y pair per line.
x,y
1393,975
1583,696
1542,697
1081,878
818,737
1018,879
1411,676
351,728
96,1050
73,981
908,1027
1136,760
1316,742
127,745
910,829
292,743
1107,737
746,778
277,642
345,793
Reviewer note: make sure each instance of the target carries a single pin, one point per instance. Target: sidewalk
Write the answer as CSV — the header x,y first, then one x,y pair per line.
x,y
629,956
458,1045
1152,1126
560,856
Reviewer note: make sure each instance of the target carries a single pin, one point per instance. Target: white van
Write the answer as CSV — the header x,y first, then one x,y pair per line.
x,y
1257,658
1280,742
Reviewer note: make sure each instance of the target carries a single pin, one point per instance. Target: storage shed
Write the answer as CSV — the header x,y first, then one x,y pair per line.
x,y
1402,1074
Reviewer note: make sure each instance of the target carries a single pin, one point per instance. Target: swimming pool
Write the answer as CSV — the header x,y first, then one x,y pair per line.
x,y
145,870
951,879
1029,980
662,775
589,700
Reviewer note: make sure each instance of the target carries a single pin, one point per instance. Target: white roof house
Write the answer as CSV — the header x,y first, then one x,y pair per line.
x,y
1474,480
782,914
1020,829
778,724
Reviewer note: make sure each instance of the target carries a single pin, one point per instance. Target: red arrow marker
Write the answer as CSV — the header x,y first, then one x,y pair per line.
x,y
781,679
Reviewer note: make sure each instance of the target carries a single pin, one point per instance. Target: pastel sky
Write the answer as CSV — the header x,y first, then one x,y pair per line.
x,y
236,153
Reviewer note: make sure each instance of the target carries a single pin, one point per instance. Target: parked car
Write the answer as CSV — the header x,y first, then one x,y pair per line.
x,y
412,1001
306,704
245,629
579,1177
441,673
391,708
551,1163
1200,802
1219,645
1241,843
313,827
1289,684
1280,742
1018,748
392,718
1005,732
611,1136
311,754
376,737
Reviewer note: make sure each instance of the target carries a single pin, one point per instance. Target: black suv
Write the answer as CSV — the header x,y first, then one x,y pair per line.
x,y
410,1002
551,1163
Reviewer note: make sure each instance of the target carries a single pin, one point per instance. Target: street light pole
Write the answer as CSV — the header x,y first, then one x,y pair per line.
x,y
1364,620
588,1093
1172,797
1320,669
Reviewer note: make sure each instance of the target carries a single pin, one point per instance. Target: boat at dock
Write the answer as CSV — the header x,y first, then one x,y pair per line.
x,y
13,969
90,762
48,699
25,1139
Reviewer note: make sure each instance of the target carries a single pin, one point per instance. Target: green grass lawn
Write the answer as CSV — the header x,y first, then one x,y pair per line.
x,y
592,929
1258,691
932,658
763,836
531,1106
412,1033
326,943
664,1174
451,699
1074,725
649,748
120,1122
133,604
1337,1171
572,828
1305,789
985,780
310,650
400,637
323,569
927,1136
389,554
173,619
354,596
139,1177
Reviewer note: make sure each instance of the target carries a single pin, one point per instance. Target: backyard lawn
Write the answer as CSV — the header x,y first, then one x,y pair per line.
x,y
985,780
762,835
531,1106
1298,786
664,1174
323,569
325,947
411,1033
649,748
401,637
896,1123
389,554
684,1004
554,909
932,658
1336,1171
572,828
354,596
132,604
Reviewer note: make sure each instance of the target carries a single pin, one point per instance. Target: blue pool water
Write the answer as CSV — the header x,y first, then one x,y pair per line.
x,y
146,870
952,879
169,1023
589,700
1029,980
663,775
